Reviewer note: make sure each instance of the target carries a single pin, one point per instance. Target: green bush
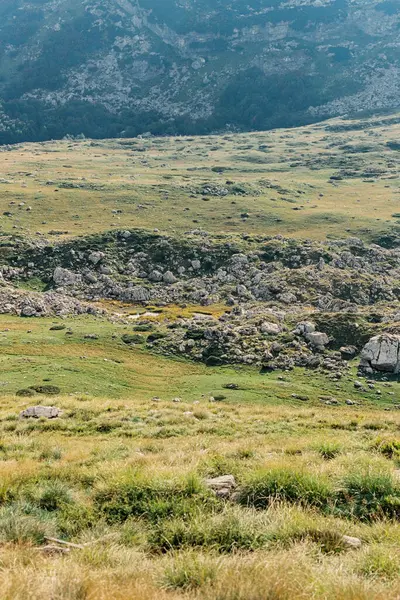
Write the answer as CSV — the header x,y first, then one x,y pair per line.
x,y
153,500
144,327
329,450
153,337
329,542
214,361
17,525
25,393
283,484
49,390
189,573
388,447
129,338
74,518
50,496
368,496
224,533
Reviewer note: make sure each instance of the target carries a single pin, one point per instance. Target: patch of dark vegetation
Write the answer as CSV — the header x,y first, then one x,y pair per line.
x,y
48,390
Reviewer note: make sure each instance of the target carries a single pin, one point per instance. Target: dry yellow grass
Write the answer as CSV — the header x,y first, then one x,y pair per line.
x,y
118,187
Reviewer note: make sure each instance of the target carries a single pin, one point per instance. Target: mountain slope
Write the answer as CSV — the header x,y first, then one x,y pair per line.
x,y
122,67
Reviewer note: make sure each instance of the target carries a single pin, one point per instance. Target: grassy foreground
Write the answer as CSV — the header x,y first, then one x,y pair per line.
x,y
123,470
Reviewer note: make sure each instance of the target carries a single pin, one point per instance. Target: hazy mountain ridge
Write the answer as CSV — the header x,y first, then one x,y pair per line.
x,y
121,67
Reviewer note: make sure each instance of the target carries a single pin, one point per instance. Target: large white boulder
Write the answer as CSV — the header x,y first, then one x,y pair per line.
x,y
381,353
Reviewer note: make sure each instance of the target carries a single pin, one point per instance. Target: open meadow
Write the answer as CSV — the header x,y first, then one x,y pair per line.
x,y
175,360
324,179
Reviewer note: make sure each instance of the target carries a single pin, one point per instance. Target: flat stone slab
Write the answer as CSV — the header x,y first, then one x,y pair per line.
x,y
223,482
36,412
351,542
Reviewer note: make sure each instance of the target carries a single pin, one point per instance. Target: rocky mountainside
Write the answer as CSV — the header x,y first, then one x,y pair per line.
x,y
109,68
287,303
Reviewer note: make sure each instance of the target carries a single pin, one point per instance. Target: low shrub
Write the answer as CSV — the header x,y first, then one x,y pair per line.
x,y
153,337
283,484
25,393
144,327
49,390
329,450
223,533
214,361
368,496
50,495
129,338
17,525
190,572
153,500
379,562
388,447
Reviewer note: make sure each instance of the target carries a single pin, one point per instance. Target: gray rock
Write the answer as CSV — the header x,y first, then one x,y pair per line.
x,y
156,276
317,339
139,294
348,352
381,353
64,277
270,328
196,264
223,486
35,412
304,327
351,542
28,311
287,298
241,290
169,277
90,278
95,257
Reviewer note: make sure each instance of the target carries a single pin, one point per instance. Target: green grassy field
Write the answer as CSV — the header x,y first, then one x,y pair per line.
x,y
123,471
121,475
280,182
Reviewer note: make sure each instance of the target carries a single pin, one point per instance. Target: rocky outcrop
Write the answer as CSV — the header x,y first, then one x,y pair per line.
x,y
382,354
139,266
33,304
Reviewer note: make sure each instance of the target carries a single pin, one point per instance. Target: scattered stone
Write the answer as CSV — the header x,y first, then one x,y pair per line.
x,y
301,397
36,412
64,277
348,352
351,542
270,328
223,486
317,340
169,277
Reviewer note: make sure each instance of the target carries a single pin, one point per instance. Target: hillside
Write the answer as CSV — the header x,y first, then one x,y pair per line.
x,y
116,68
336,179
200,365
